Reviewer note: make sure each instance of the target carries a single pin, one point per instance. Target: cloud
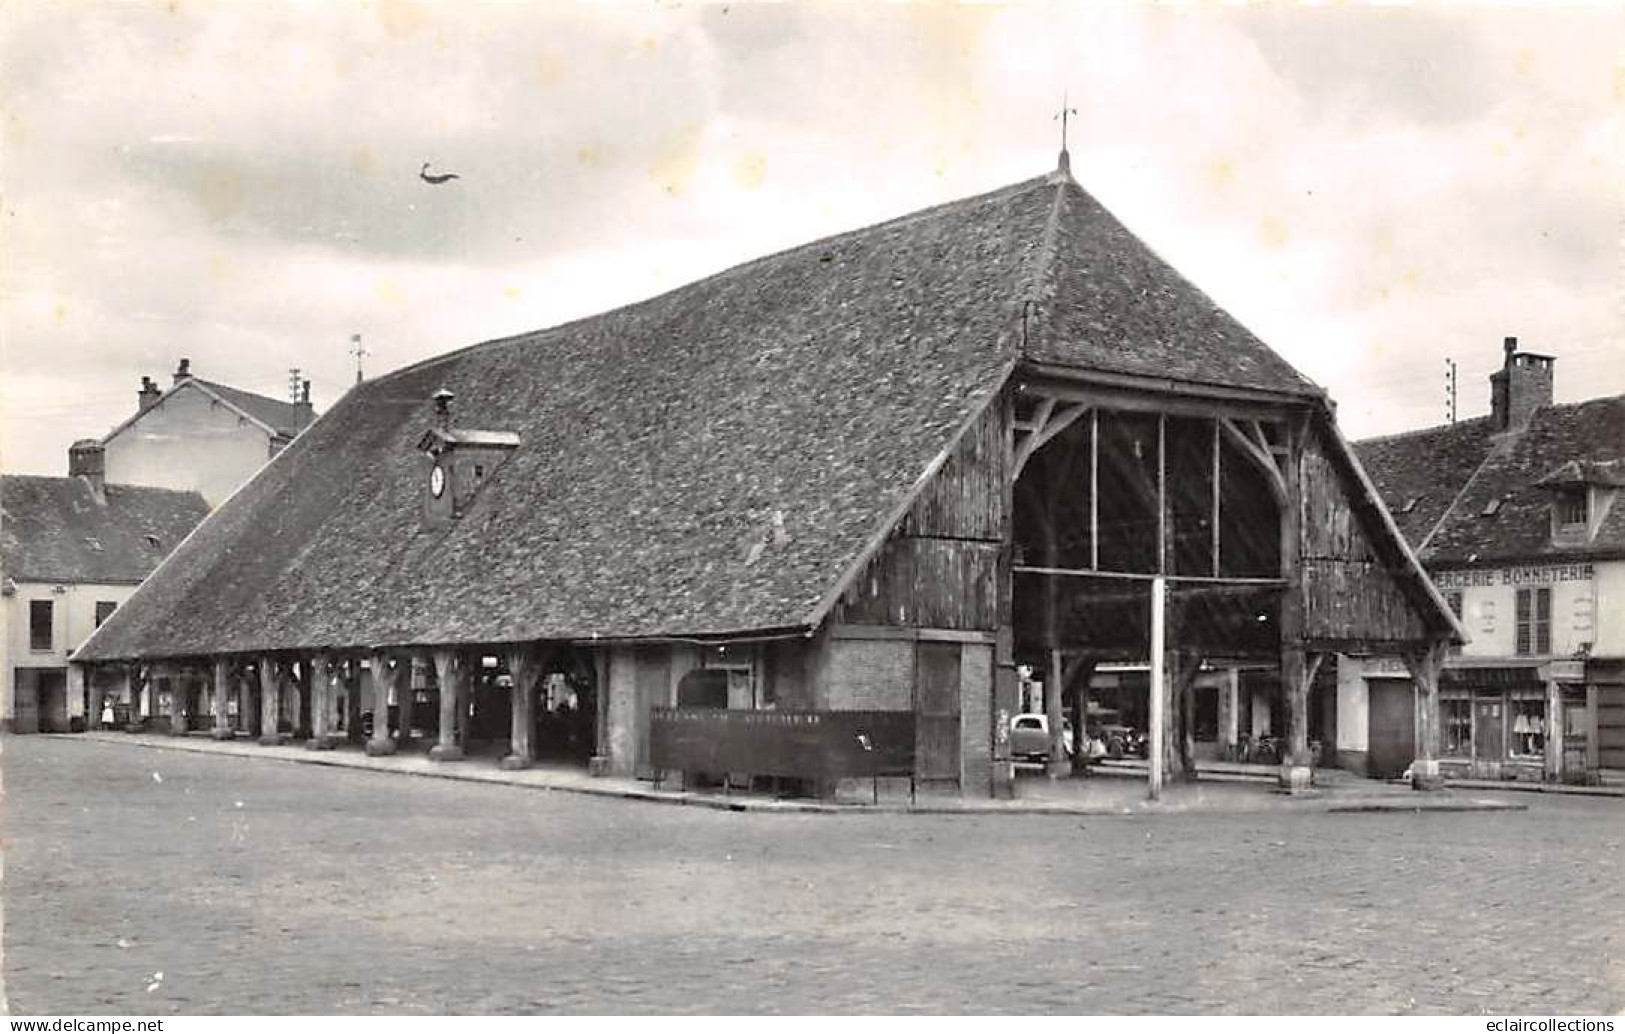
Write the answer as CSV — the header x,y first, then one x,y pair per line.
x,y
1370,190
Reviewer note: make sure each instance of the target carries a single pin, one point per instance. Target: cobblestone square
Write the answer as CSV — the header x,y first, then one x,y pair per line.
x,y
258,887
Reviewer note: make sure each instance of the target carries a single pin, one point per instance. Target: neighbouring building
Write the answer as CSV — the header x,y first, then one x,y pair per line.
x,y
71,551
201,436
806,518
1518,516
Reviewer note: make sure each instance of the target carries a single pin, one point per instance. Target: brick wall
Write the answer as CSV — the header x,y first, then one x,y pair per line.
x,y
869,675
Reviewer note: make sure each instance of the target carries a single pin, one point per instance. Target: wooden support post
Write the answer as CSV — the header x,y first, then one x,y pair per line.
x,y
222,699
1094,489
1054,683
1554,732
1424,667
599,763
1593,748
130,693
1159,685
523,668
448,676
1230,712
383,679
94,696
270,702
177,701
321,702
1163,538
1295,776
1213,530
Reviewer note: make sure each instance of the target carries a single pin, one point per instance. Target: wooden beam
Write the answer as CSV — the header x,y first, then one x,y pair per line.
x,y
1033,373
1162,493
1260,458
1139,576
1157,687
1049,425
1094,488
1213,536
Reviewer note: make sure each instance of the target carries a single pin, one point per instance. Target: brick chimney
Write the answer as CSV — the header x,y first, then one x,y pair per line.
x,y
1521,386
147,397
183,371
86,459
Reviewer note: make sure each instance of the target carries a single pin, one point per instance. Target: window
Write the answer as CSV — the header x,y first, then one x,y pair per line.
x,y
1528,727
40,622
104,610
1534,622
1456,727
1573,508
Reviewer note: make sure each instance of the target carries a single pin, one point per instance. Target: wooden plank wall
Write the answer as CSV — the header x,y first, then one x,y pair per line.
x,y
940,570
1349,593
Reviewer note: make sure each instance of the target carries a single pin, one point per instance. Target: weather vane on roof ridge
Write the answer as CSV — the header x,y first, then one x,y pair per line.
x,y
1066,109
357,351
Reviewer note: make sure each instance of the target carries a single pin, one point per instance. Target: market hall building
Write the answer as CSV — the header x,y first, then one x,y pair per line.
x,y
833,496
1517,516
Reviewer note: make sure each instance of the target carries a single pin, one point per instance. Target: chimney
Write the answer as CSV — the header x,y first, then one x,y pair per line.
x,y
86,459
183,371
1521,386
307,412
147,396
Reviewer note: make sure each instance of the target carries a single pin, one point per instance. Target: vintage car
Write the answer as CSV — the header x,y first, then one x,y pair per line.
x,y
1029,737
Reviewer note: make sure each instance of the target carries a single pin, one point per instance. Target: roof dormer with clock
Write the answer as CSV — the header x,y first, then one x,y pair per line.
x,y
460,462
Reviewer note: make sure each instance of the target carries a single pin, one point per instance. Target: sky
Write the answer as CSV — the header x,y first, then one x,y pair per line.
x,y
1372,190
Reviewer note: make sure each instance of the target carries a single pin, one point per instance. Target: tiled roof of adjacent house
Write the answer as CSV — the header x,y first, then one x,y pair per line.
x,y
285,418
711,461
53,529
1455,472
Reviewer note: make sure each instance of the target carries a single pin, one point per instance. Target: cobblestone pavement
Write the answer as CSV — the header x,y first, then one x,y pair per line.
x,y
252,886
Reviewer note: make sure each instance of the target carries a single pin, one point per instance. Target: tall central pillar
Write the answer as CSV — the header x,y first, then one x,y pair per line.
x,y
270,702
177,703
321,702
383,677
523,667
449,677
222,699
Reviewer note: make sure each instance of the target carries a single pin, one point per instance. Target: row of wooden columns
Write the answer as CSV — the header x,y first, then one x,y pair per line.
x,y
313,682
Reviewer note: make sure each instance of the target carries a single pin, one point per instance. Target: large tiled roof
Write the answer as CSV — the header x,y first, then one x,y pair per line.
x,y
1455,472
710,461
53,529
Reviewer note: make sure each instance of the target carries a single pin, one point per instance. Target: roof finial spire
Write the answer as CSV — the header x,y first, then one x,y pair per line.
x,y
1065,164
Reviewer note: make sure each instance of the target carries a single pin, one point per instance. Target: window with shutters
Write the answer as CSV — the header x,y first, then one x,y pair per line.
x,y
1534,622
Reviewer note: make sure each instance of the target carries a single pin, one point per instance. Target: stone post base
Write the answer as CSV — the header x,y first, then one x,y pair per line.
x,y
271,739
445,752
1425,775
321,743
598,765
1295,779
513,762
380,748
1058,769
223,734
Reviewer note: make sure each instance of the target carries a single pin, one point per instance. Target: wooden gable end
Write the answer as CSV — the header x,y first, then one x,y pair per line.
x,y
1351,595
940,567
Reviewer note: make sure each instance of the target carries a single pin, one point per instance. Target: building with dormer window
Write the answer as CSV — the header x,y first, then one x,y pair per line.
x,y
1517,516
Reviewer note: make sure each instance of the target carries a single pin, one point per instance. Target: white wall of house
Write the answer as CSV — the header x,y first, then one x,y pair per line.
x,y
73,618
189,441
1610,609
1489,605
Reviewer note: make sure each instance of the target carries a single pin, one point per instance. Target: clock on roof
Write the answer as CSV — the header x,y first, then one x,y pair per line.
x,y
437,481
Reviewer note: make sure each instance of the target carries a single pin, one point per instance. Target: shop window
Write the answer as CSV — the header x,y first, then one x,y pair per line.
x,y
1456,727
1534,622
1528,727
41,618
104,610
